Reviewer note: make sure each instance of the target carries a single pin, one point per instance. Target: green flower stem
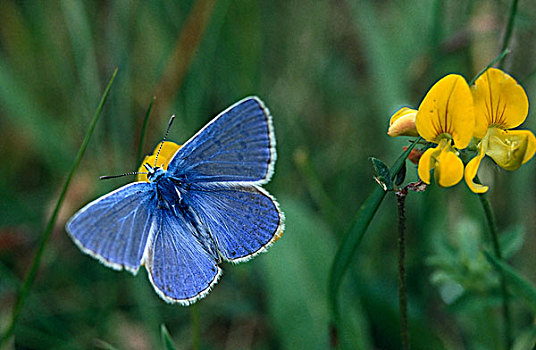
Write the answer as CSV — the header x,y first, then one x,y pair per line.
x,y
436,35
490,218
509,29
30,277
491,64
402,290
353,238
194,318
143,129
487,207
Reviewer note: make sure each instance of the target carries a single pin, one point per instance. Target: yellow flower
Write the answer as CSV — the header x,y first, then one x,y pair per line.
x,y
166,153
402,123
445,117
500,104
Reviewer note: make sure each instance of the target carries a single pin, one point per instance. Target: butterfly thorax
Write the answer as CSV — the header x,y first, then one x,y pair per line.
x,y
172,195
168,195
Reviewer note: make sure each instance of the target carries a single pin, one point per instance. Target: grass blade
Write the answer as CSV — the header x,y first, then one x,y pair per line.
x,y
30,277
143,129
184,52
166,338
355,234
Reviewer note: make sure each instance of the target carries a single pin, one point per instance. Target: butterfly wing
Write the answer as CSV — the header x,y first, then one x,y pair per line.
x,y
115,228
242,220
180,269
238,145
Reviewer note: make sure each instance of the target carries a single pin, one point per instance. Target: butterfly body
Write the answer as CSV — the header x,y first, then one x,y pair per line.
x,y
206,207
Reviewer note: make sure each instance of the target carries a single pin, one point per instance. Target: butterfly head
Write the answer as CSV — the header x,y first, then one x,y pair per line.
x,y
154,173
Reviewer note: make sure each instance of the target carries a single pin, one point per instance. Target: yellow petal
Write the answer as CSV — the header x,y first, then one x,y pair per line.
x,y
471,170
447,109
402,123
427,163
449,168
499,100
531,144
164,157
510,148
168,150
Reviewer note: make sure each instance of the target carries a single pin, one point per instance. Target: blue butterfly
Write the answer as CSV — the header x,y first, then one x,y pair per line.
x,y
205,208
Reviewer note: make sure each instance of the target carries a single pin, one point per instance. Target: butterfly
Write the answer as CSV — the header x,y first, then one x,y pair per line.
x,y
203,206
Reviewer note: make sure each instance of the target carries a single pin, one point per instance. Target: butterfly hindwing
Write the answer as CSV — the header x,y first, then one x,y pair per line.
x,y
242,220
115,228
236,146
180,269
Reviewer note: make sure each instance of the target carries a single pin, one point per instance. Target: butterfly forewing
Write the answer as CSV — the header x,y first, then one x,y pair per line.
x,y
115,228
236,146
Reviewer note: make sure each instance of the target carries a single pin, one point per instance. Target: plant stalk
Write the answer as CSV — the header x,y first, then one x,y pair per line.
x,y
402,289
352,240
509,29
490,218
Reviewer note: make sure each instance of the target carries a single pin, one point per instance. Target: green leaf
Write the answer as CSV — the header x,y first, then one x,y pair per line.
x,y
166,338
383,176
512,240
519,285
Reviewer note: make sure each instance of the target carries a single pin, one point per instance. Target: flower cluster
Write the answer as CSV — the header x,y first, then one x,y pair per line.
x,y
454,116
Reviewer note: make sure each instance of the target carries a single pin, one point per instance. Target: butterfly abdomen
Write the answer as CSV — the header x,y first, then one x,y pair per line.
x,y
171,197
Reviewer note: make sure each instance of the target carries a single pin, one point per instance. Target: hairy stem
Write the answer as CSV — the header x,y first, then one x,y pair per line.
x,y
402,290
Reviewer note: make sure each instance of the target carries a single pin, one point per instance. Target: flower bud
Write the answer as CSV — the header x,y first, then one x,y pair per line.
x,y
402,123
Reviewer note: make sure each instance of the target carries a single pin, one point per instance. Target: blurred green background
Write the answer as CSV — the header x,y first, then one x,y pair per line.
x,y
332,73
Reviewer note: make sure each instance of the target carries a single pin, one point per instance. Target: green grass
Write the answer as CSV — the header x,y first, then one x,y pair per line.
x,y
331,73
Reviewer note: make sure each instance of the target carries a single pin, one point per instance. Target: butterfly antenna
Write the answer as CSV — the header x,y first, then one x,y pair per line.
x,y
164,139
106,177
